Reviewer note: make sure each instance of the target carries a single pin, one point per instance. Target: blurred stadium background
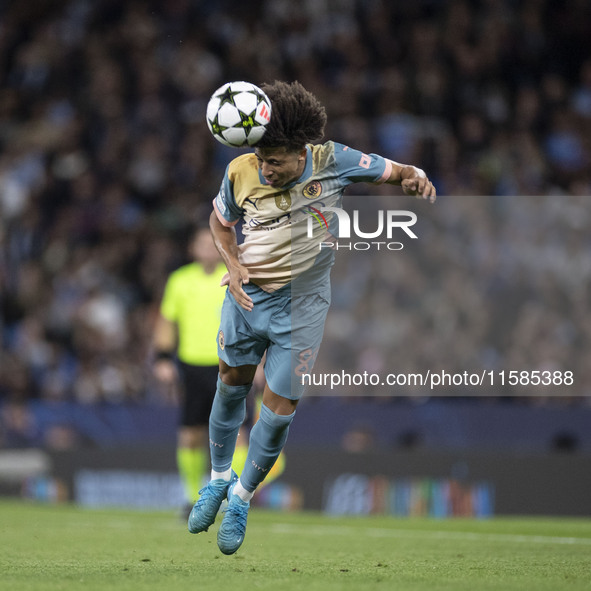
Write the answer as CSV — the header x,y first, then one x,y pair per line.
x,y
105,159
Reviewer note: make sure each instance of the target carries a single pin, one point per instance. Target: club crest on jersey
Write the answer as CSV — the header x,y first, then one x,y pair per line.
x,y
221,341
283,201
312,190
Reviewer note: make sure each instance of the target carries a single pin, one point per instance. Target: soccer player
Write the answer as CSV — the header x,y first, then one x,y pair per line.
x,y
278,286
186,328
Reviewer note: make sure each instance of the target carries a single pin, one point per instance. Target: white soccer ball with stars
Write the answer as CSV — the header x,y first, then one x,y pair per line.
x,y
237,114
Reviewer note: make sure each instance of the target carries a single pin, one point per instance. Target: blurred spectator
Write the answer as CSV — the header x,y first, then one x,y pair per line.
x,y
105,158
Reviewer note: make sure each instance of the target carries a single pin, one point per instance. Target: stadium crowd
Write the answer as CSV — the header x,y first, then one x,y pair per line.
x,y
105,159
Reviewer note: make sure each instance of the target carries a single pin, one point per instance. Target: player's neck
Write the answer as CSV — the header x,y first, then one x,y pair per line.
x,y
299,173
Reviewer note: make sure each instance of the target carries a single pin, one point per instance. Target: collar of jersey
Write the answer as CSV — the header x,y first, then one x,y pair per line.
x,y
306,174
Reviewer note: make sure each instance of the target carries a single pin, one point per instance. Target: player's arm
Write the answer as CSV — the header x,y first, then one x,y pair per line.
x,y
356,167
413,181
165,341
225,241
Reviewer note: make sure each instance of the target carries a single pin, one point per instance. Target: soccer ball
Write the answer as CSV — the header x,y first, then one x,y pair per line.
x,y
237,114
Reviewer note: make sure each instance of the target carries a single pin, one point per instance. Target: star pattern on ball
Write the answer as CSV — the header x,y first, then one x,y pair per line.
x,y
228,96
216,127
247,121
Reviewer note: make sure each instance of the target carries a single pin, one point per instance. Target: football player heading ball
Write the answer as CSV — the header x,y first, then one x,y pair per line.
x,y
278,286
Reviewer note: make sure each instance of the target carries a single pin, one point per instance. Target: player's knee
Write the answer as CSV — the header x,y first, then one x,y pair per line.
x,y
274,420
230,392
278,404
236,376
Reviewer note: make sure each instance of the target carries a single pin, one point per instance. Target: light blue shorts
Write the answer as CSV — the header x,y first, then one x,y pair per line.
x,y
289,330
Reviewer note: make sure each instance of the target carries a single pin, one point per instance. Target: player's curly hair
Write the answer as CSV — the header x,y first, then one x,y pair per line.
x,y
297,117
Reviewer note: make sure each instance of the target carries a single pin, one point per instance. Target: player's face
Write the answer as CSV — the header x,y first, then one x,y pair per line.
x,y
280,167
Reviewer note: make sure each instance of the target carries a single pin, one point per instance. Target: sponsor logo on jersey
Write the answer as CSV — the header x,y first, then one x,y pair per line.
x,y
283,201
221,341
219,201
312,190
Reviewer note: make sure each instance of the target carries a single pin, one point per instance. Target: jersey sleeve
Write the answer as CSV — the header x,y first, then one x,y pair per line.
x,y
169,305
354,166
226,208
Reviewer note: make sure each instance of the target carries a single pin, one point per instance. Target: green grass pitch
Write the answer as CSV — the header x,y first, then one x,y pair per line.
x,y
68,548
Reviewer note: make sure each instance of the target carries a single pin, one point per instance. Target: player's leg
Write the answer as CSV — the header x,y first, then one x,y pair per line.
x,y
295,332
240,349
227,415
268,435
253,410
267,438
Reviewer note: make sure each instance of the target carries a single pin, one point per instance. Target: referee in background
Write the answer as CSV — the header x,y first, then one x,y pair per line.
x,y
186,352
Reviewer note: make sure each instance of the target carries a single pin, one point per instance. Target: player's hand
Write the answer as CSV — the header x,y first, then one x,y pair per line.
x,y
235,279
419,187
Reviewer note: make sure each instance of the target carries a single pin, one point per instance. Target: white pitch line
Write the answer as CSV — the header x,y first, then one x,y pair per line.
x,y
285,528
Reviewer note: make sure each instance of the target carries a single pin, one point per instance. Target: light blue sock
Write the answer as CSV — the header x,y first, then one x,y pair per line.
x,y
227,415
267,438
